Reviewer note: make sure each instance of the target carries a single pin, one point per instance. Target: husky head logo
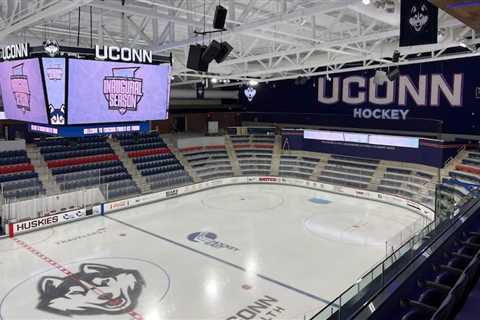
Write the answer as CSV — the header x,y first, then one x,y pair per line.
x,y
57,116
250,93
95,289
51,47
123,91
418,16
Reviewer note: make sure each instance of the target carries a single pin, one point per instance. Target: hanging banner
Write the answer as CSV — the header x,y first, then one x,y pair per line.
x,y
418,23
441,96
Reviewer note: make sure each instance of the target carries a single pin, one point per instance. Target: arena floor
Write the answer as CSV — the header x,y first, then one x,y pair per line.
x,y
238,252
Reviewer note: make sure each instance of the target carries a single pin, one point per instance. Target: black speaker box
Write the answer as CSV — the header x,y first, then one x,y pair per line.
x,y
225,49
219,18
394,74
194,60
211,52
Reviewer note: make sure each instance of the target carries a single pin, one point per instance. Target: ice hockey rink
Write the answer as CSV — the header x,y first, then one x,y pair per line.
x,y
237,252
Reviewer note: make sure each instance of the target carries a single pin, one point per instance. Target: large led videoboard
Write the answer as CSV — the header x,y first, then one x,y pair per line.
x,y
101,91
54,75
22,90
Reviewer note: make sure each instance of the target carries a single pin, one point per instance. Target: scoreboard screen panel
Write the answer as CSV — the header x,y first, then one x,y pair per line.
x,y
22,91
101,91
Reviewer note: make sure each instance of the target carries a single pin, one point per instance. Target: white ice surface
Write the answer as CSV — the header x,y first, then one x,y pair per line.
x,y
278,243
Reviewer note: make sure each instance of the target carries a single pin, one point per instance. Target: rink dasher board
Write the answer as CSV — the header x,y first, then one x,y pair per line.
x,y
108,207
369,195
51,220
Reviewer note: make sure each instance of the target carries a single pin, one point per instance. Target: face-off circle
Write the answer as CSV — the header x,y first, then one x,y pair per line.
x,y
97,288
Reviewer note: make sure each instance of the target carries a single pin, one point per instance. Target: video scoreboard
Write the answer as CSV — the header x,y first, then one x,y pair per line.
x,y
63,91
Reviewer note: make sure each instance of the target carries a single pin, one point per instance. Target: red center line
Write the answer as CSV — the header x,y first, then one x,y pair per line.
x,y
135,315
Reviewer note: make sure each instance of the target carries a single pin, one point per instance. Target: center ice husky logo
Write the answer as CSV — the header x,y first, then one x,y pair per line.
x,y
20,88
123,91
418,16
95,289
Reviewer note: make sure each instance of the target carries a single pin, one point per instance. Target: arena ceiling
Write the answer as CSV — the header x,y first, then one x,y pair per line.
x,y
272,39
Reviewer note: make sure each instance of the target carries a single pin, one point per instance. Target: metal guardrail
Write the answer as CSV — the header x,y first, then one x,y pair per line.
x,y
335,309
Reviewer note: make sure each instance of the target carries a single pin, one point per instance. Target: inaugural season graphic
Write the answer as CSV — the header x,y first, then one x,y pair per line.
x,y
123,91
20,88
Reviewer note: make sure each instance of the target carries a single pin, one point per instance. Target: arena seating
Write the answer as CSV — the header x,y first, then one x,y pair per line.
x,y
348,171
209,162
438,287
155,162
87,162
254,153
17,177
410,181
297,166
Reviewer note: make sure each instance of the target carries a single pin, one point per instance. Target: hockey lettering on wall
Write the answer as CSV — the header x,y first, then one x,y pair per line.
x,y
446,93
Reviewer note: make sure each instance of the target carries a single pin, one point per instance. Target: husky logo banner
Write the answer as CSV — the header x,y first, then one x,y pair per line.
x,y
95,289
419,23
250,93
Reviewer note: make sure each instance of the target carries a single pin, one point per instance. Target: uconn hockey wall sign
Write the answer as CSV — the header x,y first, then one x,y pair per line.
x,y
426,91
446,93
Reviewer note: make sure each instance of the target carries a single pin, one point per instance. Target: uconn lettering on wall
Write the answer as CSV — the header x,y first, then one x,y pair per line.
x,y
404,92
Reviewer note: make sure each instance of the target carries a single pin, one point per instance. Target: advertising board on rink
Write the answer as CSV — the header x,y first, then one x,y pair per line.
x,y
52,220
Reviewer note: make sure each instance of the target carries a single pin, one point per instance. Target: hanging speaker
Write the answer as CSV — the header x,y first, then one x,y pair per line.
x,y
396,56
219,18
211,52
194,60
225,49
394,74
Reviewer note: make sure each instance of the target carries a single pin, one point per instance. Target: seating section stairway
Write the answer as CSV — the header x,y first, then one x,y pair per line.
x,y
155,162
87,163
254,153
209,162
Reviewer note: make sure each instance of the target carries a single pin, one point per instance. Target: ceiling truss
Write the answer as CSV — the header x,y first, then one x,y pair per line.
x,y
272,39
